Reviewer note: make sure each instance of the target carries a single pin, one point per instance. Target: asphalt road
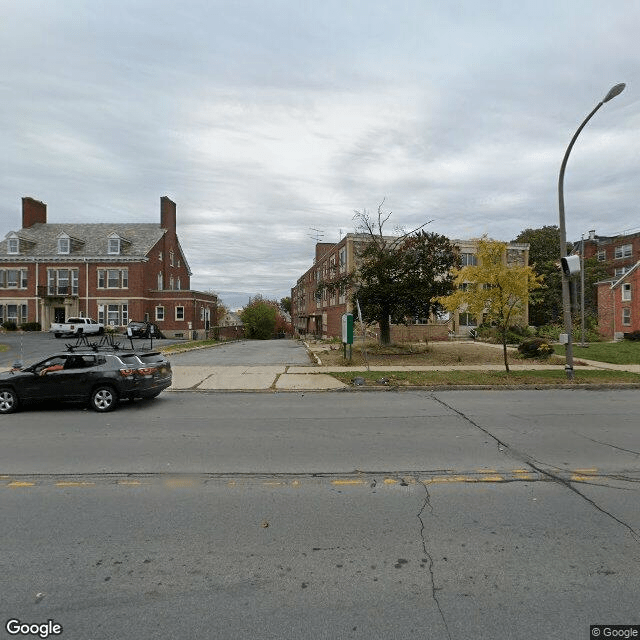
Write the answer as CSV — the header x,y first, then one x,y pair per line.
x,y
386,515
479,515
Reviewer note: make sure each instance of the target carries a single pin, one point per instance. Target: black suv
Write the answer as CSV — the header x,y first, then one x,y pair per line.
x,y
101,378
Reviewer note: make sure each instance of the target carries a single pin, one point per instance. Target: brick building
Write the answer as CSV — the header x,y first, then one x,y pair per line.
x,y
619,304
619,253
321,315
113,272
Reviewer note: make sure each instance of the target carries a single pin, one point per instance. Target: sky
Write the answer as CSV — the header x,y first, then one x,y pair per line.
x,y
271,122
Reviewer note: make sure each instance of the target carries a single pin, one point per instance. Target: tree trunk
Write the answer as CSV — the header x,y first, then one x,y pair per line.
x,y
385,330
504,348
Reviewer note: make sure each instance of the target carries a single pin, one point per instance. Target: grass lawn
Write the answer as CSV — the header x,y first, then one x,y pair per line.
x,y
497,378
623,352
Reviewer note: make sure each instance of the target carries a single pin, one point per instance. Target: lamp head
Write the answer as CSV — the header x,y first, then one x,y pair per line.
x,y
614,91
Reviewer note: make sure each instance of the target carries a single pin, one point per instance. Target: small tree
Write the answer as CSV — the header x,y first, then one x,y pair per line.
x,y
259,319
492,288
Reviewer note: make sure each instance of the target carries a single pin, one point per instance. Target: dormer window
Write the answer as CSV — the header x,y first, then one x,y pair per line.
x,y
64,244
13,245
114,246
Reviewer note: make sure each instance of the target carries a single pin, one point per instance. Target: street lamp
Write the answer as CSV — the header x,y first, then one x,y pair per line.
x,y
566,299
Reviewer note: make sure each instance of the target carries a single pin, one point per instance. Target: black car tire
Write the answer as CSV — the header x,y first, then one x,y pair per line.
x,y
8,400
100,331
104,398
57,335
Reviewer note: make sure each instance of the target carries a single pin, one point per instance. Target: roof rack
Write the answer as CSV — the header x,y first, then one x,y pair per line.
x,y
106,342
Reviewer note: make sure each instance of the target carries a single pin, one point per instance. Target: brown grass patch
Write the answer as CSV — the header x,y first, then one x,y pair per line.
x,y
433,354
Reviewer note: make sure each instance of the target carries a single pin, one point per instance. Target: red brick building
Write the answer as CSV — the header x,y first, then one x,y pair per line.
x,y
619,304
113,272
619,253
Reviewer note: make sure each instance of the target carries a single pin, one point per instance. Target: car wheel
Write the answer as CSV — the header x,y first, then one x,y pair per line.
x,y
100,331
57,335
104,399
8,401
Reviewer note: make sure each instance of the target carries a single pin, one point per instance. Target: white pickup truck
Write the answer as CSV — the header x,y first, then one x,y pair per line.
x,y
75,327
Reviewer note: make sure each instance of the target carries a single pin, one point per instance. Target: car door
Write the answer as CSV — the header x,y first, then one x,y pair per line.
x,y
75,380
38,385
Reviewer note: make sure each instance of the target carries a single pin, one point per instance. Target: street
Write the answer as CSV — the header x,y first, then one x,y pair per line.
x,y
461,514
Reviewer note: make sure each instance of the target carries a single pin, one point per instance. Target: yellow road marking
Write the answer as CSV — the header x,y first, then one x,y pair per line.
x,y
492,478
19,483
348,482
591,470
390,481
74,484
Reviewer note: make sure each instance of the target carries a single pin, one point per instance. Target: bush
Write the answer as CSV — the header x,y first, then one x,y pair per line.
x,y
9,325
31,326
535,348
633,335
515,334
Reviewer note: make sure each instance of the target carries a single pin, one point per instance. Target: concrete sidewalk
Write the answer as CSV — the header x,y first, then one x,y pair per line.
x,y
318,378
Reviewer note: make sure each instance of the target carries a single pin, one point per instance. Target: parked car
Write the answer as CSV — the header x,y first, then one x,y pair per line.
x,y
99,378
143,329
76,327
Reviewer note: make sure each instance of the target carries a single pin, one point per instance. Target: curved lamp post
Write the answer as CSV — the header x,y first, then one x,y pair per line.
x,y
566,300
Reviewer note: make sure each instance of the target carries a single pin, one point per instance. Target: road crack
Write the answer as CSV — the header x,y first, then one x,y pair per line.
x,y
434,590
534,464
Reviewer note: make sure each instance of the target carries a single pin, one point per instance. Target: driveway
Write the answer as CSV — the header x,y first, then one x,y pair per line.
x,y
249,365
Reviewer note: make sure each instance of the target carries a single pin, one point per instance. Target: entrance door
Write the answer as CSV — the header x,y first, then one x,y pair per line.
x,y
58,314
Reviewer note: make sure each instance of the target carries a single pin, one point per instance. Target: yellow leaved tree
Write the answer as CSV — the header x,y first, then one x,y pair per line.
x,y
492,290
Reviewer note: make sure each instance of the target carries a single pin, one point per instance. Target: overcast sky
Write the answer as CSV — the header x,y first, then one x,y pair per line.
x,y
266,119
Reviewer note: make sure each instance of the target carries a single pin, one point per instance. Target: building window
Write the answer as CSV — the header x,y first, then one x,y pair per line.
x,y
626,316
171,258
467,320
113,315
178,284
17,313
64,245
179,313
602,256
620,271
160,256
623,251
13,245
160,281
113,278
626,292
468,260
159,314
62,282
114,246
171,283
342,257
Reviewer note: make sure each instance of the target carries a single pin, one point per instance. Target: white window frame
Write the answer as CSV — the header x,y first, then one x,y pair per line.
x,y
623,251
160,281
113,248
602,256
179,313
468,259
626,292
626,316
64,245
159,313
13,246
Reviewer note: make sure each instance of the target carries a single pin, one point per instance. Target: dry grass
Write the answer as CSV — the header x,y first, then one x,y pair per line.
x,y
433,354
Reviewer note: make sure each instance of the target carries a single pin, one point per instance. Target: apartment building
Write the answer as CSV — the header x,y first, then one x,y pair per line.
x,y
321,313
113,272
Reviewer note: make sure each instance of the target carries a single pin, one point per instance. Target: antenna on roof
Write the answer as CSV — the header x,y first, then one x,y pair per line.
x,y
319,234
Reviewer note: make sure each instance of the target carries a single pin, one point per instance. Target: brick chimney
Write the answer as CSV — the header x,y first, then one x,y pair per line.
x,y
167,214
33,211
